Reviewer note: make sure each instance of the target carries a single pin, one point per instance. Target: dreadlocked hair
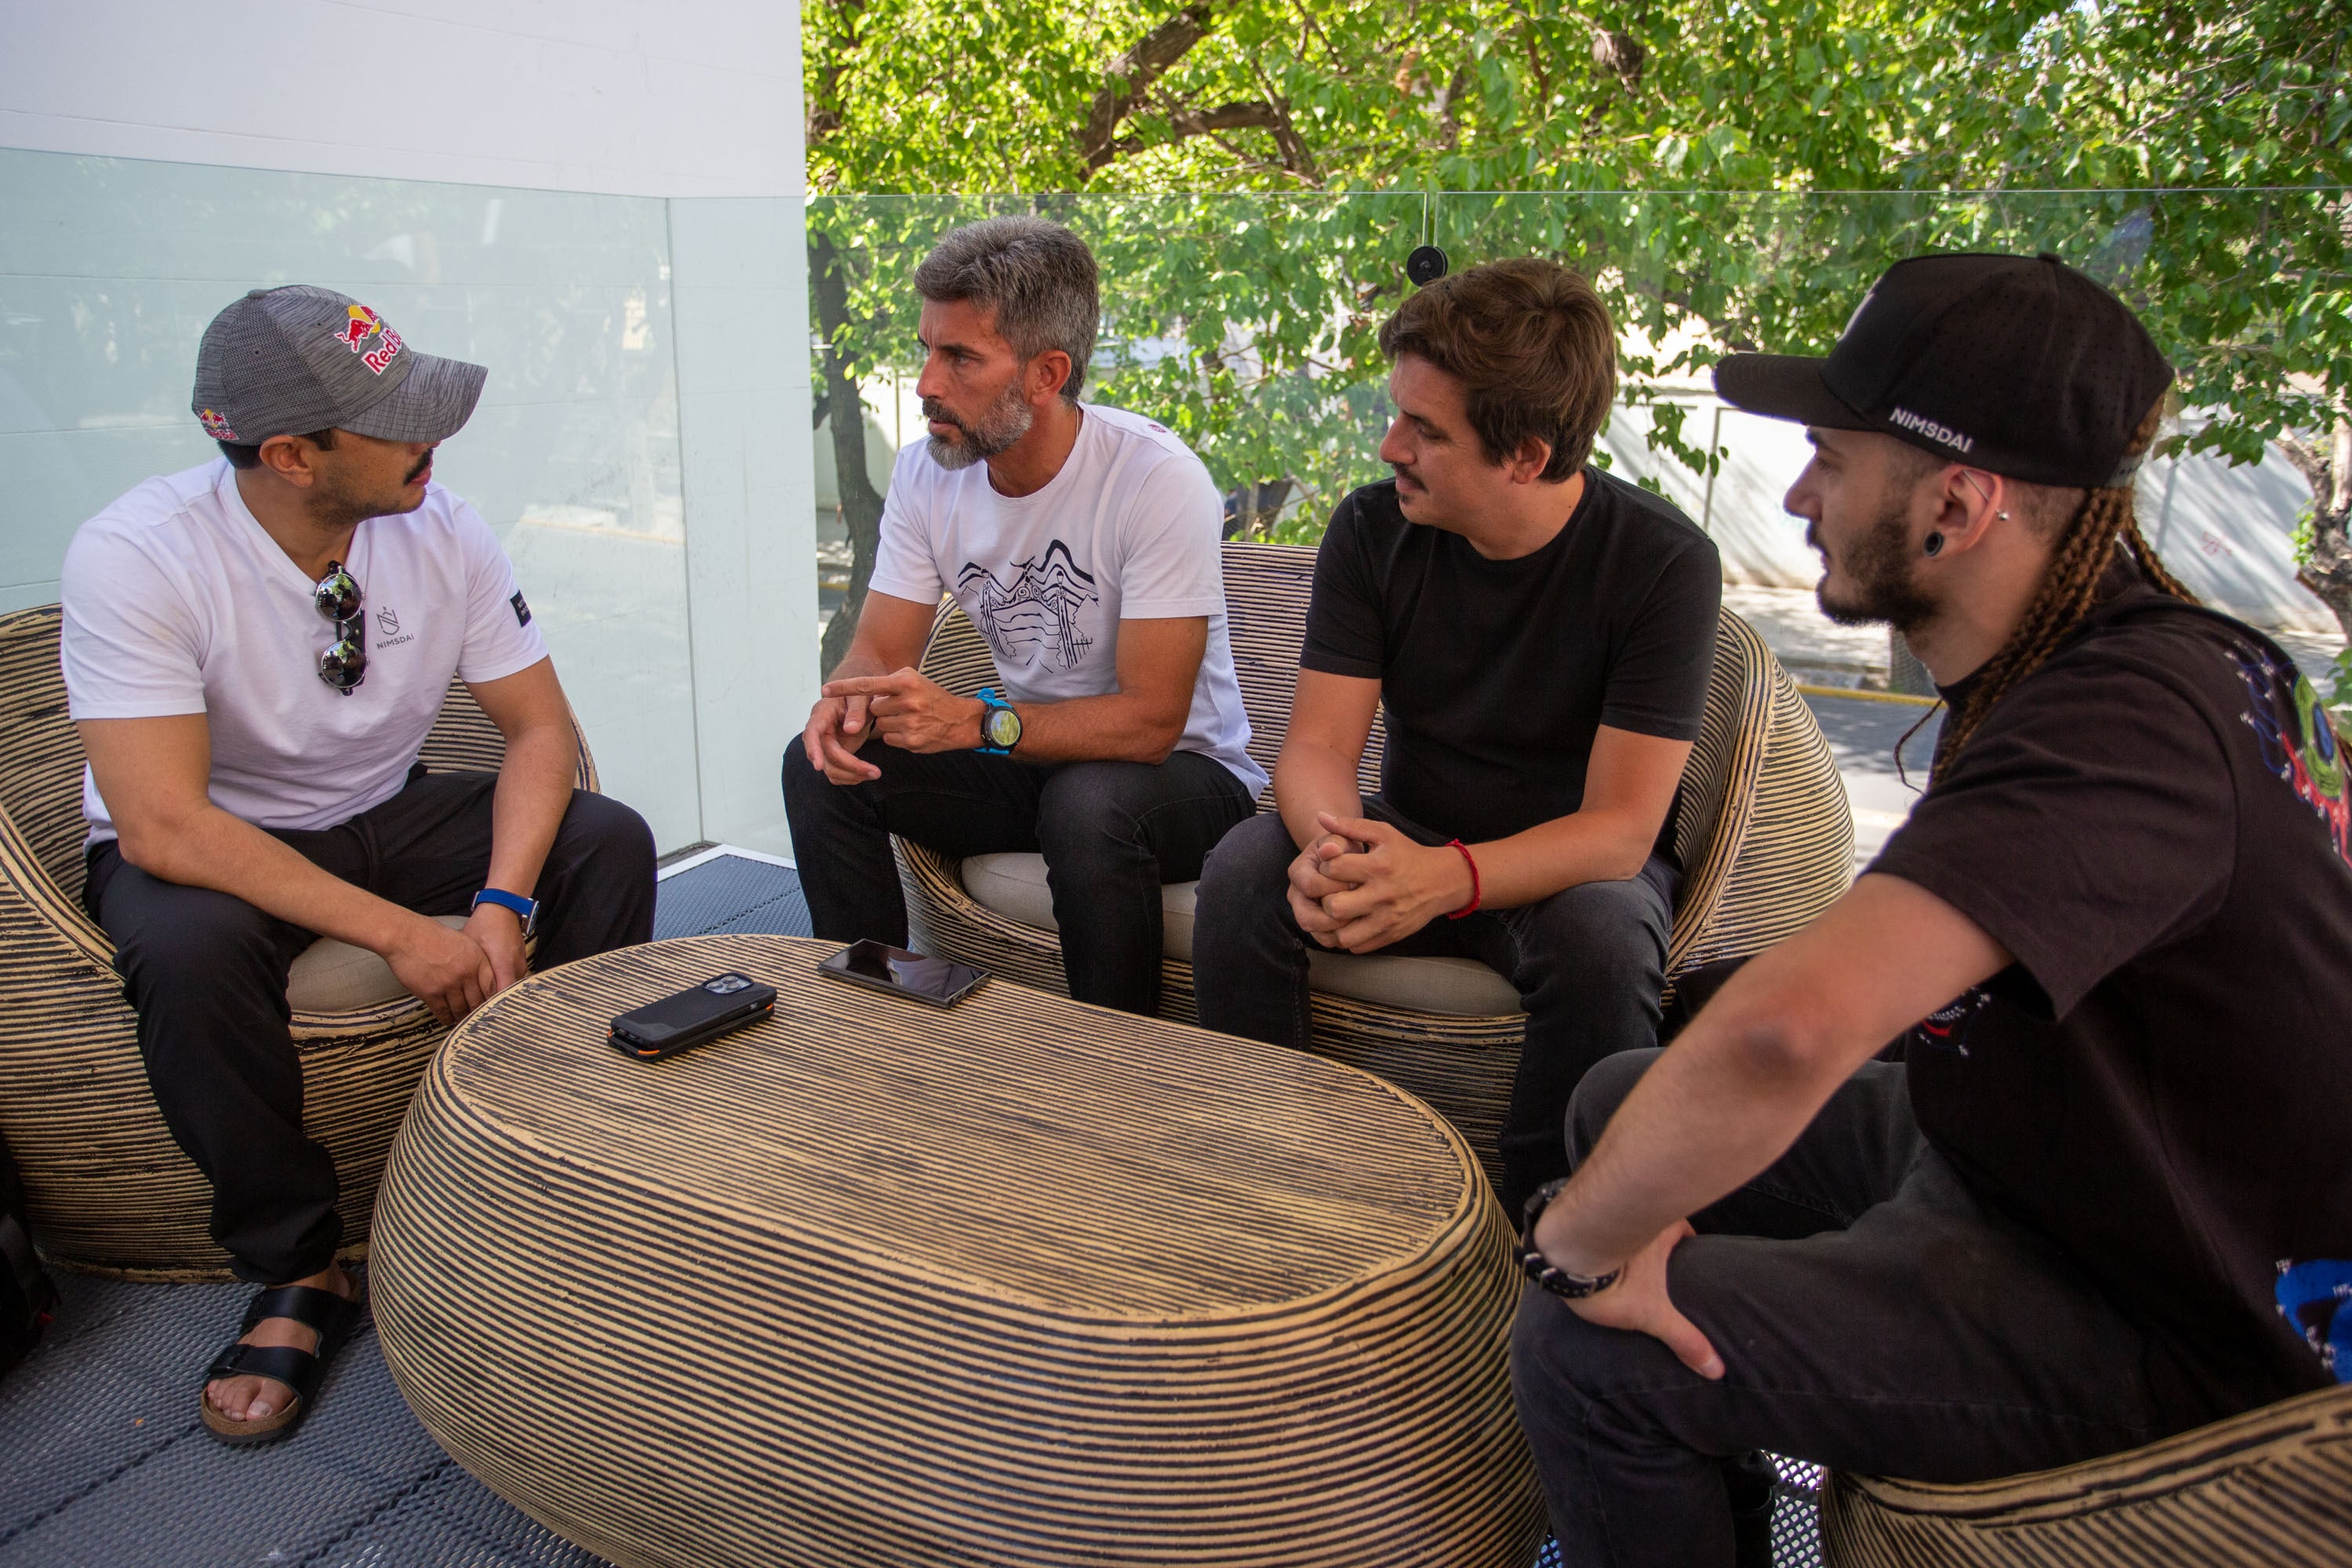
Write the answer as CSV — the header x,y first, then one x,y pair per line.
x,y
2102,524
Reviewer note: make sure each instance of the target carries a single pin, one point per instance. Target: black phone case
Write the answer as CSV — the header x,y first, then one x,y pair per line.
x,y
837,967
719,1005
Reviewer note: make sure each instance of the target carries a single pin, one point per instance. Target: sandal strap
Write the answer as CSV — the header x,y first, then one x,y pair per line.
x,y
297,1370
306,1304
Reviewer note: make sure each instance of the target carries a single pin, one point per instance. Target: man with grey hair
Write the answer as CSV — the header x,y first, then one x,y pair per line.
x,y
1083,542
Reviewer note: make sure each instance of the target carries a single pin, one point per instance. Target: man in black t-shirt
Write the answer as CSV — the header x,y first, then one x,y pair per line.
x,y
1541,635
2108,1195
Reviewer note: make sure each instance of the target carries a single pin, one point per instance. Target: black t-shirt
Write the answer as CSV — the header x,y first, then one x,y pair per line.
x,y
2156,826
1497,673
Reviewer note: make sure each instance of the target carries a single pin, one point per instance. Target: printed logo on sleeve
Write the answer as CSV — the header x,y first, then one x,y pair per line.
x,y
521,610
2316,1298
2298,744
1947,1028
361,326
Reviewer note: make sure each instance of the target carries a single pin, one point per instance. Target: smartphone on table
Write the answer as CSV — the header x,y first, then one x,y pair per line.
x,y
719,1005
942,982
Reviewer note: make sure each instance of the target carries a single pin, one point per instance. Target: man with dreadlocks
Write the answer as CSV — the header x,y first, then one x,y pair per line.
x,y
2105,1195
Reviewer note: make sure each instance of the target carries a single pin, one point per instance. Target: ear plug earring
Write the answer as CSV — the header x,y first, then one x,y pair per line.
x,y
1935,544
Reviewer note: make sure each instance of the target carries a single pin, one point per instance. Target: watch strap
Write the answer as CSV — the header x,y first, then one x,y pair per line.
x,y
525,910
1541,1270
991,705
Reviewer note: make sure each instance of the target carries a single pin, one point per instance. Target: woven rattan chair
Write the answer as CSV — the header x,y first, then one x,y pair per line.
x,y
109,1188
1764,833
2272,1486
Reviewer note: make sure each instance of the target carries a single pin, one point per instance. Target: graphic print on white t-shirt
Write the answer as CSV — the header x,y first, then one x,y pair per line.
x,y
1035,616
176,600
1130,529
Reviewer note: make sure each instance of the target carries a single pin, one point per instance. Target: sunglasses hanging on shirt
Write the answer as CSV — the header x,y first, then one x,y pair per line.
x,y
338,598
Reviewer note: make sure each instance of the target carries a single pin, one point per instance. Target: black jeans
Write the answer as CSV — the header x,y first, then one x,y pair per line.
x,y
1111,833
207,973
1871,1316
1589,962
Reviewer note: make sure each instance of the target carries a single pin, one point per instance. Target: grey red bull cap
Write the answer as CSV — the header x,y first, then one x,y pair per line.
x,y
286,362
2016,365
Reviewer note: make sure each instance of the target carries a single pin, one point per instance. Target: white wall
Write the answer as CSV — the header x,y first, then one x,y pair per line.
x,y
687,98
646,328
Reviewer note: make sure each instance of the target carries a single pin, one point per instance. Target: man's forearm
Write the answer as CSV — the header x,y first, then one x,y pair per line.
x,y
534,790
1118,727
1566,852
1710,1114
213,850
1754,1067
860,660
1310,779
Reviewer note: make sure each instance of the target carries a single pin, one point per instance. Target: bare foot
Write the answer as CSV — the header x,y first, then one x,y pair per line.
x,y
259,1398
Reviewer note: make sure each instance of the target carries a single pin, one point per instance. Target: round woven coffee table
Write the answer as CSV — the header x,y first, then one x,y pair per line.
x,y
1023,1281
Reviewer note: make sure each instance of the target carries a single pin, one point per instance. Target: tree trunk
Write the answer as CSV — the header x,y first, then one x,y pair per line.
x,y
2327,570
861,503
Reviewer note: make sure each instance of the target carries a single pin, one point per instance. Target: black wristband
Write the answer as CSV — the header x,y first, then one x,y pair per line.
x,y
1541,1270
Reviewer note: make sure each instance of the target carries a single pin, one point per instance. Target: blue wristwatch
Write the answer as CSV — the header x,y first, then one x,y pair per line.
x,y
1000,726
526,909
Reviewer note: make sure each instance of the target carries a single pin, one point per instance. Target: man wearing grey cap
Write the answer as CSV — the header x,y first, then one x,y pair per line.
x,y
2105,1195
254,652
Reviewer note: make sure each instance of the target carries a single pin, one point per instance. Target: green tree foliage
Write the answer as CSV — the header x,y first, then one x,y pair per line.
x,y
1781,153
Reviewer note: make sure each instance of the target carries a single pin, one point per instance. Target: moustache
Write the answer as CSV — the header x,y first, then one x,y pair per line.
x,y
934,409
423,463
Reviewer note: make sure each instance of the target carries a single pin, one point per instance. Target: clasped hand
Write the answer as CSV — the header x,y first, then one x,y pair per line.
x,y
906,709
455,972
1363,884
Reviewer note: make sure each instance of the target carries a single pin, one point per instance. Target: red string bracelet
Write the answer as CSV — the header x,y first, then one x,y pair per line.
x,y
1475,894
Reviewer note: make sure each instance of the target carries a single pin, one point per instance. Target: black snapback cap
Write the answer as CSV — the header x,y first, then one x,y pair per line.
x,y
2016,365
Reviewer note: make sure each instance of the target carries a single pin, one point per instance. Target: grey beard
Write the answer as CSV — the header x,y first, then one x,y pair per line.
x,y
995,432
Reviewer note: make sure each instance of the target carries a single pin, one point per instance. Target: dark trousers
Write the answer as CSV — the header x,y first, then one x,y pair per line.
x,y
1871,1316
207,973
1589,962
1111,833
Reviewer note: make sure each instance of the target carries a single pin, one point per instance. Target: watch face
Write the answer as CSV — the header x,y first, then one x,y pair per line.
x,y
1003,727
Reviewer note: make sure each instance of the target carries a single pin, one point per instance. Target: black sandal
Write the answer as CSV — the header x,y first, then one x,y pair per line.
x,y
333,1318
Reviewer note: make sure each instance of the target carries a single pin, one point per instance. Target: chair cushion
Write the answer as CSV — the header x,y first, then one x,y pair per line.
x,y
333,977
1015,887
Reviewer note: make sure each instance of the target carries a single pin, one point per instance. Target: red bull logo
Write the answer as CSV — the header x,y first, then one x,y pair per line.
x,y
360,325
215,425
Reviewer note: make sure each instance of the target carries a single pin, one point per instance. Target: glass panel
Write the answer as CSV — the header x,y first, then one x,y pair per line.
x,y
1248,325
110,270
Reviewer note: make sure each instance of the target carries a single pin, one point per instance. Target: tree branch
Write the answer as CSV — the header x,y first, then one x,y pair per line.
x,y
1255,114
1286,140
1131,77
837,396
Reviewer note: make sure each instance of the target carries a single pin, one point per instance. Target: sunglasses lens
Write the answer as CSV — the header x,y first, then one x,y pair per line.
x,y
338,595
344,664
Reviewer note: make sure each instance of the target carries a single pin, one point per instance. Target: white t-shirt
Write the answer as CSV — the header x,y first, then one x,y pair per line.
x,y
1129,530
177,602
